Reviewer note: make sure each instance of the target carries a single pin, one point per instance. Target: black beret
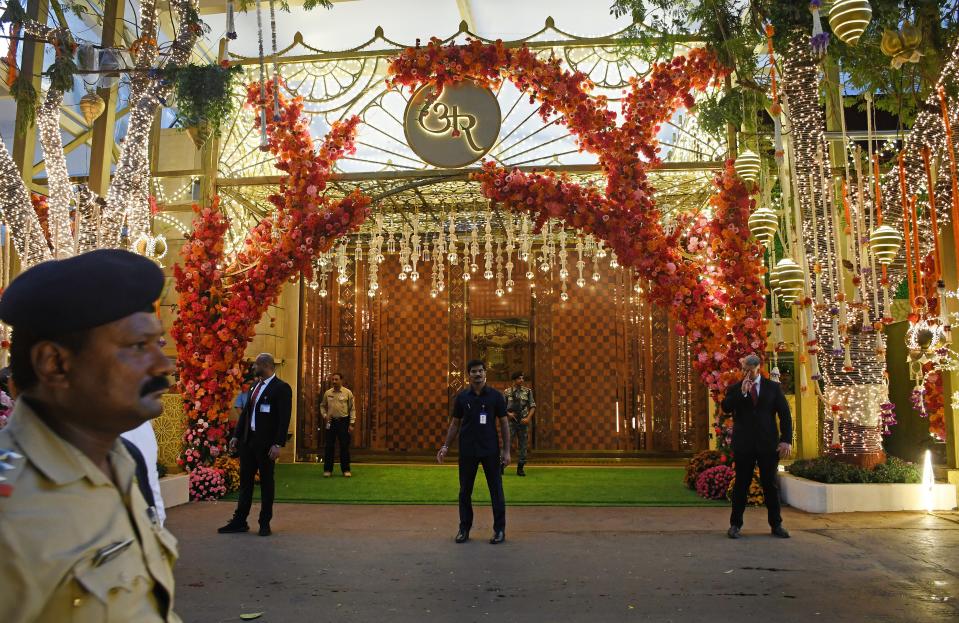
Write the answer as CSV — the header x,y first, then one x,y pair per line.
x,y
81,292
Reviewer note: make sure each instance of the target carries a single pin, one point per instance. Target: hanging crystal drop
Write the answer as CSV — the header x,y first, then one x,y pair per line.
x,y
488,246
580,264
474,248
452,258
499,269
563,272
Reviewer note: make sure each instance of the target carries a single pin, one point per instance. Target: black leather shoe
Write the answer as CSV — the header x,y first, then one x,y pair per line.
x,y
520,471
265,530
498,537
733,532
781,532
234,526
462,536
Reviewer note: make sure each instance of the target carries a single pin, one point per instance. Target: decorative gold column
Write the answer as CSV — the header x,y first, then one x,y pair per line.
x,y
169,429
101,151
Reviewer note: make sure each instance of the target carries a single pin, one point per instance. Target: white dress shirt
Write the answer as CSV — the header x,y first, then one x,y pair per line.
x,y
145,439
262,386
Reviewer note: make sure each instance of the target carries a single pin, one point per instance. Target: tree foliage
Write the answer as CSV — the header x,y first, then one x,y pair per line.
x,y
736,29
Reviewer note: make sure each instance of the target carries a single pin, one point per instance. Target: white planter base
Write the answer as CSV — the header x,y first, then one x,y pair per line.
x,y
819,497
175,490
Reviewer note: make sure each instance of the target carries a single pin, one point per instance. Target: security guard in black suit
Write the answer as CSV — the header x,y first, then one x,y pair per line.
x,y
755,402
259,435
477,411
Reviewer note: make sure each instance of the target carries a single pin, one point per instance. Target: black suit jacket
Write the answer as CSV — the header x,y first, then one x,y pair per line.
x,y
272,423
754,426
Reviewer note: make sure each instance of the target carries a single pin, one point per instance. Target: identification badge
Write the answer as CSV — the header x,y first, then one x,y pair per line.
x,y
264,408
482,417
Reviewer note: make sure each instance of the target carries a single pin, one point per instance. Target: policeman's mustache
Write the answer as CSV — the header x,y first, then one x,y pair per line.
x,y
155,384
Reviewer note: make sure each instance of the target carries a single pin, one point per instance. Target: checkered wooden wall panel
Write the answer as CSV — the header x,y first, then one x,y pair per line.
x,y
412,331
485,304
586,366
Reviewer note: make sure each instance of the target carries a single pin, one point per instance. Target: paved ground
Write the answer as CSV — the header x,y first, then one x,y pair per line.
x,y
399,564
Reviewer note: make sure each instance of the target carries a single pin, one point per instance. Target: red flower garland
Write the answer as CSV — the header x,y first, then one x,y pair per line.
x,y
724,320
220,307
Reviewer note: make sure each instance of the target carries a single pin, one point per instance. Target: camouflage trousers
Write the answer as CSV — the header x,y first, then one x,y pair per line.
x,y
520,432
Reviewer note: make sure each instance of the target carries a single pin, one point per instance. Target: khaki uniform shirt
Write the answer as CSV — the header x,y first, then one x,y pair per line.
x,y
519,401
74,547
338,404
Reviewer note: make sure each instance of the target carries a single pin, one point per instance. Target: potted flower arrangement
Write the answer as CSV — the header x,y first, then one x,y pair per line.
x,y
204,99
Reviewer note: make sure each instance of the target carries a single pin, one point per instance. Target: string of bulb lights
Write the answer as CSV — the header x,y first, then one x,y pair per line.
x,y
841,311
78,219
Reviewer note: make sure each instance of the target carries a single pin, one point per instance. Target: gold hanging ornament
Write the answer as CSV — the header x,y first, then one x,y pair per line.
x,y
92,106
763,223
150,246
848,19
200,133
747,165
789,279
774,280
902,45
884,244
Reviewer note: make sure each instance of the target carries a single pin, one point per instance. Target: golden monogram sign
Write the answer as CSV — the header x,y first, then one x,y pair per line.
x,y
455,129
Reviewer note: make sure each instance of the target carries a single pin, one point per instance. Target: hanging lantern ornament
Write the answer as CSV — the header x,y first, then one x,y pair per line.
x,y
92,106
884,243
848,19
763,223
902,45
748,165
774,280
789,280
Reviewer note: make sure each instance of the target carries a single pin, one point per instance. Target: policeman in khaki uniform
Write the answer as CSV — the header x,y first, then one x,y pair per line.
x,y
520,407
78,541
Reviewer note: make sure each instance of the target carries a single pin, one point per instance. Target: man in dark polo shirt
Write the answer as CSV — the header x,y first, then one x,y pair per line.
x,y
477,411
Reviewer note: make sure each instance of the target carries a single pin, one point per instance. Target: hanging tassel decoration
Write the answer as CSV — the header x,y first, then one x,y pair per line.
x,y
779,150
951,150
264,140
775,109
276,66
230,20
230,28
820,39
12,54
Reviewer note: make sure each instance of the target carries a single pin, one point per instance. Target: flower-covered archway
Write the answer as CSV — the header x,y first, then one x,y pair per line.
x,y
706,271
713,289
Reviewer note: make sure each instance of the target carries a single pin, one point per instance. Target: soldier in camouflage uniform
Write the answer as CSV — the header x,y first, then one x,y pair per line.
x,y
520,407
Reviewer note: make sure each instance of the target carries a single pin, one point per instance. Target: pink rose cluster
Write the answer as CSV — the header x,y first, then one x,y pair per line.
x,y
207,483
713,483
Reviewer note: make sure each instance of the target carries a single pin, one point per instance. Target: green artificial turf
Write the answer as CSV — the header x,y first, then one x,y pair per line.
x,y
435,484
